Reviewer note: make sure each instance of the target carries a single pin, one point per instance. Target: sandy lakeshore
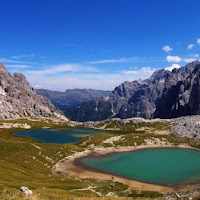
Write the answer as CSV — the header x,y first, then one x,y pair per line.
x,y
71,168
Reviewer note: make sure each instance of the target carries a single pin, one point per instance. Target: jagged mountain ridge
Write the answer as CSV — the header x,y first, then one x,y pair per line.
x,y
71,97
18,99
133,99
182,97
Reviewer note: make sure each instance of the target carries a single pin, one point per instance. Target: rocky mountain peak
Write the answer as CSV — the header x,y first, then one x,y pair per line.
x,y
2,66
18,99
165,94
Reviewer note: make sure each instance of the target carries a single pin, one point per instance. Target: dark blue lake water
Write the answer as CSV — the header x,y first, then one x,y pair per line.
x,y
59,136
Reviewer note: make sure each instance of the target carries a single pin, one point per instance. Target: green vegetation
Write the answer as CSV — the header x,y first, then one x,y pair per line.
x,y
145,194
96,140
137,127
26,162
135,139
138,133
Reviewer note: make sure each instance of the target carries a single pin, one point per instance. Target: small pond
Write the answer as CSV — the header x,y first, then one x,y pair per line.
x,y
165,166
61,135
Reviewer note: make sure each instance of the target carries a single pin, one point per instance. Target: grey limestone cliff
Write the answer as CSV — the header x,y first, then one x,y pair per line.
x,y
18,99
181,96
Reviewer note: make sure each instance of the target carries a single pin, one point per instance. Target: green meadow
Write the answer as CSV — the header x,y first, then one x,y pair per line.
x,y
26,162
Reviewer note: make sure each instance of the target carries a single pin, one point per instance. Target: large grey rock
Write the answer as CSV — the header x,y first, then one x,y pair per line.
x,y
18,99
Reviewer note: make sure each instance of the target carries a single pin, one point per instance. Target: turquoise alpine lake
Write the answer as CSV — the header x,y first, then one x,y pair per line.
x,y
62,135
165,166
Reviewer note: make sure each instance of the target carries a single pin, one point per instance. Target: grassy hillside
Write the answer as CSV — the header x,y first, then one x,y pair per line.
x,y
25,162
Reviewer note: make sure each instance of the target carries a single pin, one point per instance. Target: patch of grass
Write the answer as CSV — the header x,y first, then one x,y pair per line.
x,y
136,126
145,194
96,140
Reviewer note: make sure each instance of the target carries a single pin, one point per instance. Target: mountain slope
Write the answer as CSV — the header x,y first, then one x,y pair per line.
x,y
181,98
133,99
18,99
71,97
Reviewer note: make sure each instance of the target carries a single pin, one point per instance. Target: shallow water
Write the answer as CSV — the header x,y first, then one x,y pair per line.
x,y
58,136
168,166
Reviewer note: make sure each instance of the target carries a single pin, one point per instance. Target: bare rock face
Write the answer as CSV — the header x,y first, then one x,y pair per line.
x,y
164,95
181,95
18,99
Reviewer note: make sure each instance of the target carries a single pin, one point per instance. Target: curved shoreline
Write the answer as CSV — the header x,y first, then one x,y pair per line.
x,y
72,167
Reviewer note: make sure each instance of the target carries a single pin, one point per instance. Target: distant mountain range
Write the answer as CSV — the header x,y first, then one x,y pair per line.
x,y
18,99
165,94
71,97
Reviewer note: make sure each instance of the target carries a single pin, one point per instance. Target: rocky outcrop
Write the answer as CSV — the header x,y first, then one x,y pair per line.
x,y
181,96
18,99
130,99
150,98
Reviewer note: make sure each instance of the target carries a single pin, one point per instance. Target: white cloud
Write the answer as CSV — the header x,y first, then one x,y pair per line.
x,y
173,59
62,68
179,59
17,66
167,48
5,60
190,46
120,60
43,57
89,80
198,40
188,60
23,56
83,79
38,86
143,71
170,68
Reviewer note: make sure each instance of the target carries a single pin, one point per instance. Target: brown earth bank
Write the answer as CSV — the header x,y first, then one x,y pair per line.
x,y
71,167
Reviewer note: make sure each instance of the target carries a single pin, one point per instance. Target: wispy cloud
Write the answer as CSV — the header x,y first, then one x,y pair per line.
x,y
198,40
36,86
167,48
84,80
61,77
190,46
23,56
43,57
195,55
170,68
120,60
143,71
188,60
178,59
63,68
5,60
17,66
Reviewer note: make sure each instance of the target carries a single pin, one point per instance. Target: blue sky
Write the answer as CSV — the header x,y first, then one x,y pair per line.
x,y
64,44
